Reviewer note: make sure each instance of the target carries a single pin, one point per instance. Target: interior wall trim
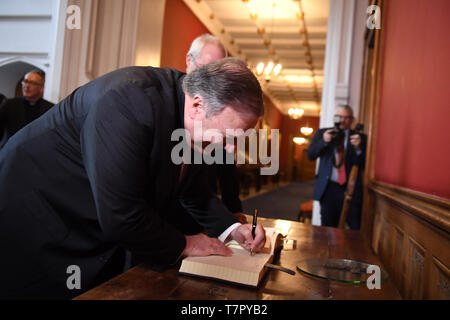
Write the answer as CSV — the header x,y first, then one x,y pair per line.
x,y
429,208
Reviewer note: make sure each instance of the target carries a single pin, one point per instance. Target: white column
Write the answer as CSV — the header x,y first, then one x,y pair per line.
x,y
53,75
339,56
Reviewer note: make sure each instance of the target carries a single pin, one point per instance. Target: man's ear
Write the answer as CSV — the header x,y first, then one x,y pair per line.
x,y
197,108
188,62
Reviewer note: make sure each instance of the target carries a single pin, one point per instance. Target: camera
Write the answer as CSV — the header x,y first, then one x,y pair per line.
x,y
337,131
359,128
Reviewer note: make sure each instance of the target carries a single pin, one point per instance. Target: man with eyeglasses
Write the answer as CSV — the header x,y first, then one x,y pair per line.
x,y
16,113
339,150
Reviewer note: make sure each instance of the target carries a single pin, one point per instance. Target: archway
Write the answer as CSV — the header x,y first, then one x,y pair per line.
x,y
12,72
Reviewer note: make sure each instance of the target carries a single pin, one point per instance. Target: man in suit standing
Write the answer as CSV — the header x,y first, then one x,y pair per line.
x,y
339,150
96,175
16,113
205,49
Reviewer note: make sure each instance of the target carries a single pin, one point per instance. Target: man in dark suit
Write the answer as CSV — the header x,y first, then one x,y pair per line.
x,y
97,174
16,113
339,151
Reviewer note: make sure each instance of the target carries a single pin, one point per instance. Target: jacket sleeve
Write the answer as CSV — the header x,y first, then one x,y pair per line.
x,y
116,146
359,158
317,146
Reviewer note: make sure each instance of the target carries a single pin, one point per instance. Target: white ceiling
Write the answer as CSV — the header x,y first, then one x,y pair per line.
x,y
275,32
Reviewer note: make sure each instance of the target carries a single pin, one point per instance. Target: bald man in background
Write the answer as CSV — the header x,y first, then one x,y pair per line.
x,y
16,113
205,49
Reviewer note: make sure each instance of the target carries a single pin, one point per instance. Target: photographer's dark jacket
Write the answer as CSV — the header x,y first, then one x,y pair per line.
x,y
325,151
94,174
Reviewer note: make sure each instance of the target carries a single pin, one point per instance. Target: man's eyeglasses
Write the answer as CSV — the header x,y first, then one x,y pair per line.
x,y
343,117
34,83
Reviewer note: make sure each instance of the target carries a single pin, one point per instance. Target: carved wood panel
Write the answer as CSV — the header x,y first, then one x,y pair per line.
x,y
415,270
414,251
438,286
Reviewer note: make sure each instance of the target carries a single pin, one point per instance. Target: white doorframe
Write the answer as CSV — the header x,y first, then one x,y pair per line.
x,y
343,63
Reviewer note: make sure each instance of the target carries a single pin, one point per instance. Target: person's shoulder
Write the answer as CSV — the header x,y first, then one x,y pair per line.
x,y
47,104
165,74
13,101
144,77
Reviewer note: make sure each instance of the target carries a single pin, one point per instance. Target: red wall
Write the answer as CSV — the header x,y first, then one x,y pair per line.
x,y
180,27
413,135
271,114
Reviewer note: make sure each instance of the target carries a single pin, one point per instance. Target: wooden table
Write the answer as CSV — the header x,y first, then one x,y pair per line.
x,y
312,242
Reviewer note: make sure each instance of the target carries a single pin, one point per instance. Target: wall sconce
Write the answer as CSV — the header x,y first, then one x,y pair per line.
x,y
299,140
296,113
306,131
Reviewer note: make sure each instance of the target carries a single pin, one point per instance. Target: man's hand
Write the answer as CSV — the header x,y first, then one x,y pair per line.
x,y
241,217
328,135
355,140
243,235
202,245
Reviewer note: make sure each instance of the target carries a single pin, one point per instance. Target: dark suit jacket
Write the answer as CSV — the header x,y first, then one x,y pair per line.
x,y
94,174
226,176
318,148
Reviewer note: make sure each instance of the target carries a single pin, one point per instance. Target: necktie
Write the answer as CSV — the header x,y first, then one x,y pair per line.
x,y
342,176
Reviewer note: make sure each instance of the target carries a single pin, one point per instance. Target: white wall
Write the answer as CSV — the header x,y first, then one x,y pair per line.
x,y
32,34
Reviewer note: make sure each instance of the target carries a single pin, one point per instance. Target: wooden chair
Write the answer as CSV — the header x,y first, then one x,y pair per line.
x,y
348,196
305,211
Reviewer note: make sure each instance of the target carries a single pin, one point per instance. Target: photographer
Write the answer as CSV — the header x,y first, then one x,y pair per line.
x,y
339,149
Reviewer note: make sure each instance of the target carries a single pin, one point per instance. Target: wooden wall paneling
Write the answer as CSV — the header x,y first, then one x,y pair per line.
x,y
408,230
415,270
398,255
438,286
376,231
385,247
412,245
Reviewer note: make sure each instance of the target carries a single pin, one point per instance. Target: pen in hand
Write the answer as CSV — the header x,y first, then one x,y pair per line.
x,y
255,217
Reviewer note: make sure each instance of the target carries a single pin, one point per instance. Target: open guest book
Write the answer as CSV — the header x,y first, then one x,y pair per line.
x,y
241,268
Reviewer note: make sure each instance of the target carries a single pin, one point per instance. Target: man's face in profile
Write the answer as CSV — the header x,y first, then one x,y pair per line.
x,y
214,128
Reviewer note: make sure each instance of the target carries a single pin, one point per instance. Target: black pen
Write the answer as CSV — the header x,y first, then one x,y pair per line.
x,y
255,218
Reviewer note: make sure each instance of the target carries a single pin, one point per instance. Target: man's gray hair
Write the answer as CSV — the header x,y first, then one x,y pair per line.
x,y
39,72
201,41
226,82
346,107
